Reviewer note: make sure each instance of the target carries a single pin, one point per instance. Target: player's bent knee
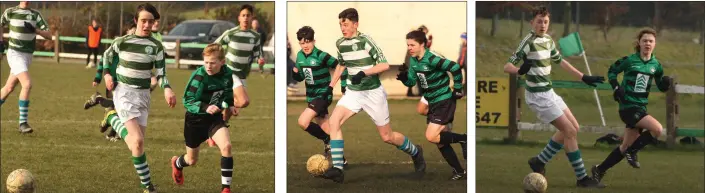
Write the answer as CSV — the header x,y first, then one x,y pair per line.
x,y
303,123
226,148
387,137
432,138
656,132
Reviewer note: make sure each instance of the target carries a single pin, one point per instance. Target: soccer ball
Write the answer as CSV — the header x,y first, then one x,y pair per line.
x,y
317,165
21,181
535,183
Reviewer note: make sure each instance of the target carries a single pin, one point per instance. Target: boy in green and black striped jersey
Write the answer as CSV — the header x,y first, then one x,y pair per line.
x,y
430,70
208,89
539,53
633,96
359,54
24,24
313,68
138,55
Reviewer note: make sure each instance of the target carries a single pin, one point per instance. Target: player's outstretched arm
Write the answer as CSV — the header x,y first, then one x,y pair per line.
x,y
615,69
407,76
589,80
160,65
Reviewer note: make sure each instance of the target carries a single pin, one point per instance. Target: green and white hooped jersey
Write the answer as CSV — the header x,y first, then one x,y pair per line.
x,y
541,52
137,57
21,39
357,54
241,47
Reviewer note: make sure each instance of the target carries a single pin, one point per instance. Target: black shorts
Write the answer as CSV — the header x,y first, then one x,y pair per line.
x,y
198,128
442,112
631,116
320,106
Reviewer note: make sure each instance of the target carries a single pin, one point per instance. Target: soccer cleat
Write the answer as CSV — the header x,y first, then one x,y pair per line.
x,y
419,162
464,146
537,166
458,176
334,174
104,124
225,190
326,150
597,174
632,159
150,189
93,101
25,128
589,182
176,174
210,142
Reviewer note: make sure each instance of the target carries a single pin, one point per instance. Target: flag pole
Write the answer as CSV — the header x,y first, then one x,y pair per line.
x,y
597,99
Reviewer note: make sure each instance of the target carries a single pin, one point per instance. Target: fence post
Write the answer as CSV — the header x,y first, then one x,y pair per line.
x,y
672,113
513,131
177,55
56,47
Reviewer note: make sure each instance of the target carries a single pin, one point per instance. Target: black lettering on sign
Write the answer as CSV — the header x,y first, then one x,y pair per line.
x,y
493,87
482,86
477,102
486,117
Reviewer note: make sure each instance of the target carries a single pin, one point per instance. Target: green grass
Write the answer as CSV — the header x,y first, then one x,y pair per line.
x,y
66,153
501,167
374,166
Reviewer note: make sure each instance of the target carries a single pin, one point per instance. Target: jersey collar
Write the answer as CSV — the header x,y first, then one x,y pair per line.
x,y
426,54
357,33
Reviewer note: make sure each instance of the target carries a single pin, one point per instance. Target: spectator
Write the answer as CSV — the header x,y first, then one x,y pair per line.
x,y
93,43
429,37
260,30
155,30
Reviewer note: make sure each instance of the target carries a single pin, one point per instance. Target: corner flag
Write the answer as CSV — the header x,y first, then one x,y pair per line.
x,y
571,45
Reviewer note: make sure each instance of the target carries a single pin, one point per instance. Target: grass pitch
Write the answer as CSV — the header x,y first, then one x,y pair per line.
x,y
374,166
66,153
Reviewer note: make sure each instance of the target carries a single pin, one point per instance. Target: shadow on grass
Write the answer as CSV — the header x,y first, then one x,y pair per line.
x,y
661,146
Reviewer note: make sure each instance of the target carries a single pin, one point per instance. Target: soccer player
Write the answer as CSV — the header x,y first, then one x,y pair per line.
x,y
312,66
633,96
359,54
138,54
539,52
430,71
24,23
242,43
208,88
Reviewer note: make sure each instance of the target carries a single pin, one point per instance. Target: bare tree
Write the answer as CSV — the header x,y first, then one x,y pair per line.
x,y
607,15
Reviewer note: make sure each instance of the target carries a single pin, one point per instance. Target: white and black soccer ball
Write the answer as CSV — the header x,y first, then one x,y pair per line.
x,y
21,181
535,183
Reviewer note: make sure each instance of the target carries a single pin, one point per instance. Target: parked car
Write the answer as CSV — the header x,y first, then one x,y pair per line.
x,y
194,31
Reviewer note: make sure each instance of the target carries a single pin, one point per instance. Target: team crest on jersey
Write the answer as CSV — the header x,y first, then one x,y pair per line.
x,y
642,81
354,47
29,17
422,80
653,70
313,62
252,40
148,49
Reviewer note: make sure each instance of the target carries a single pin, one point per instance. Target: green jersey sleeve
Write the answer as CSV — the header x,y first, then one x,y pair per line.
x,y
659,79
344,77
41,23
411,77
521,51
556,57
454,69
374,50
160,65
615,69
194,89
4,20
229,89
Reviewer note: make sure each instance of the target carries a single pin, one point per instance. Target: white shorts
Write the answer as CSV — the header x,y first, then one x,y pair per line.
x,y
237,82
19,61
132,103
373,102
424,101
548,106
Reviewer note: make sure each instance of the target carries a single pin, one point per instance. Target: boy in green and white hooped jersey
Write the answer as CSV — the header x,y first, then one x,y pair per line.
x,y
24,24
243,43
538,51
633,96
430,70
359,54
138,54
313,68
